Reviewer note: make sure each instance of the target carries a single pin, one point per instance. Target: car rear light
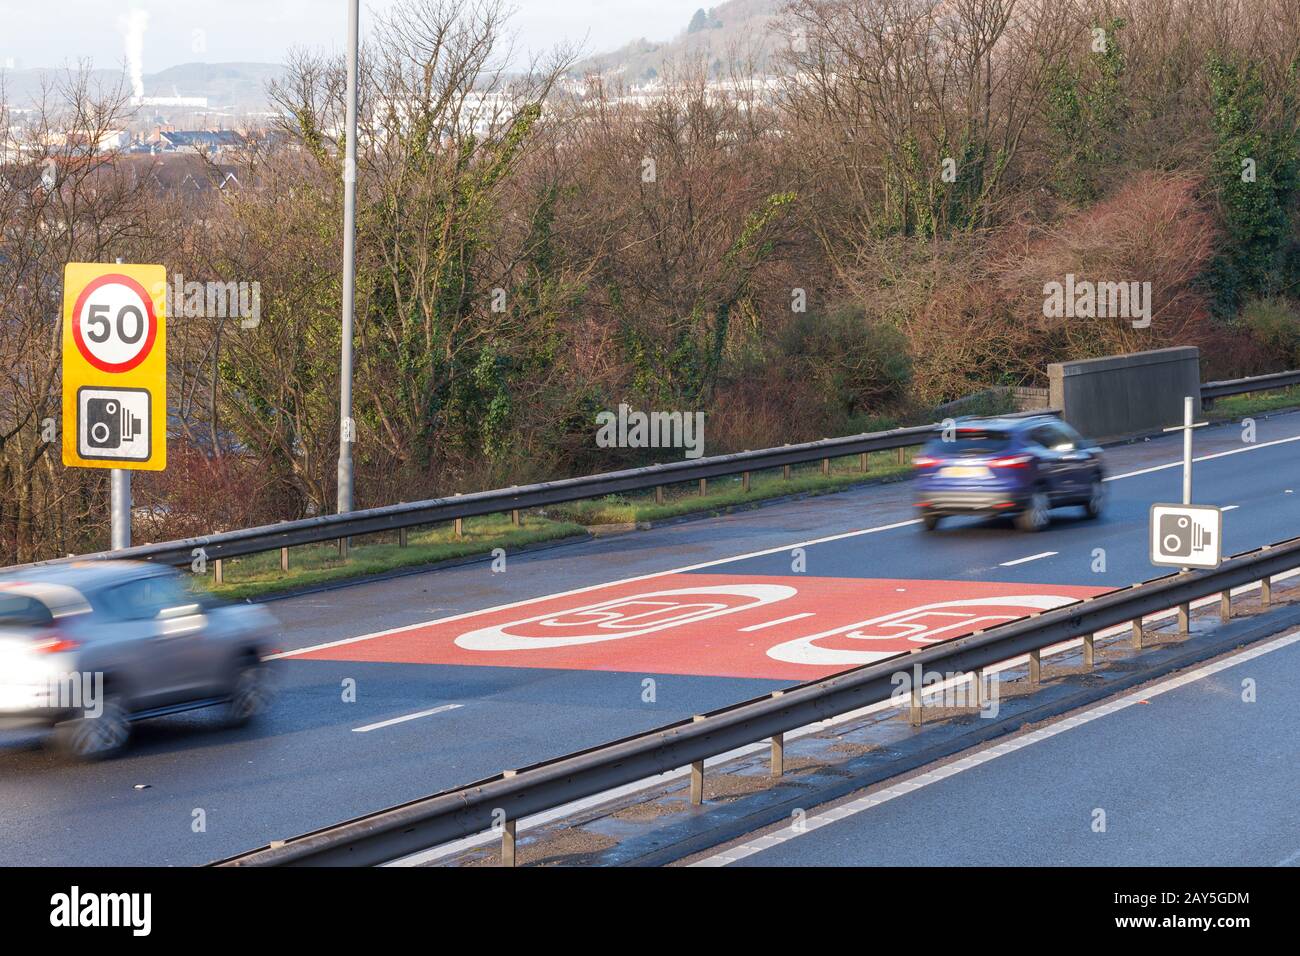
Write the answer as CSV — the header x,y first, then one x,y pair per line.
x,y
924,461
1011,461
55,644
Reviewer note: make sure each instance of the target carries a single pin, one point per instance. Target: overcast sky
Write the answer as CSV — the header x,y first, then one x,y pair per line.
x,y
36,33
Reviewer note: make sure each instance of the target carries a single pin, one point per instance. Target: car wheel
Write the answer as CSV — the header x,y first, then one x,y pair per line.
x,y
1096,502
250,694
1037,513
930,522
94,738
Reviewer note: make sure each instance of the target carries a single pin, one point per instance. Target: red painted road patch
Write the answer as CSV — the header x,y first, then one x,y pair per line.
x,y
795,628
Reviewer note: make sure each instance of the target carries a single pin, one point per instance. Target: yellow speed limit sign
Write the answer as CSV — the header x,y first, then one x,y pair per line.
x,y
114,366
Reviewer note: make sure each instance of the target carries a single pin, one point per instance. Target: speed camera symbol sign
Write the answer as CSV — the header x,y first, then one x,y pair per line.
x,y
114,366
1186,536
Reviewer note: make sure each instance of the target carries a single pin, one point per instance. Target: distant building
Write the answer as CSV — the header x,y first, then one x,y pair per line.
x,y
165,139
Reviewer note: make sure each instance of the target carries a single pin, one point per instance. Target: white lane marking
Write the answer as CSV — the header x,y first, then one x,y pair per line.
x,y
1230,507
1032,557
1291,860
1218,454
650,783
401,720
709,564
878,797
779,620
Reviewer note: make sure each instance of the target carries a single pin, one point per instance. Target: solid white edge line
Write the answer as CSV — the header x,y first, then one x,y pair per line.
x,y
401,720
593,587
877,797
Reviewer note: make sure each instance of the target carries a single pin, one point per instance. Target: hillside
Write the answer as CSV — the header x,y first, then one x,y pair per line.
x,y
713,34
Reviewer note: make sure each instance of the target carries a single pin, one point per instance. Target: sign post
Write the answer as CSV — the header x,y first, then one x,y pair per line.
x,y
1189,535
115,376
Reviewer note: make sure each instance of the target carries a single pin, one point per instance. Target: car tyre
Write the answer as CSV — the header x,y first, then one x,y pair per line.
x,y
930,522
1096,502
96,738
250,693
1037,513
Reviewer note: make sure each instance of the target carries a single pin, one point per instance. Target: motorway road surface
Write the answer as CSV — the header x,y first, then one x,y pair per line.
x,y
503,687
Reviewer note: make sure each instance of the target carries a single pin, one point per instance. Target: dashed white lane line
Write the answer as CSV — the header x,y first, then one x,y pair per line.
x,y
1032,557
401,720
875,799
779,620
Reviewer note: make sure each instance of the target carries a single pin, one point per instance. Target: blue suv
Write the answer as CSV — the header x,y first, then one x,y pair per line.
x,y
1021,467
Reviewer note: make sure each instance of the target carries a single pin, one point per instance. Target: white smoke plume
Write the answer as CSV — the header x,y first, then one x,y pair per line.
x,y
133,26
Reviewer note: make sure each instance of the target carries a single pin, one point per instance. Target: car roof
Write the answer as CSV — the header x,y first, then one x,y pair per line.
x,y
1005,423
83,575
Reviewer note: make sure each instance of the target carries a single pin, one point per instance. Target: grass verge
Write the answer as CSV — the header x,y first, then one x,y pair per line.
x,y
1254,403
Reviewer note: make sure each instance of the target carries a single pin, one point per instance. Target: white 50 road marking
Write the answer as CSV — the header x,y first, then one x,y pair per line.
x,y
609,620
908,623
719,561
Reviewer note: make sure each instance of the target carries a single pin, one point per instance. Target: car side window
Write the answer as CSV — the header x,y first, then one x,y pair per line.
x,y
144,597
1056,438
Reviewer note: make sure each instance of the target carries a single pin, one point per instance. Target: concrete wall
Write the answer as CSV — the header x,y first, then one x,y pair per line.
x,y
1123,395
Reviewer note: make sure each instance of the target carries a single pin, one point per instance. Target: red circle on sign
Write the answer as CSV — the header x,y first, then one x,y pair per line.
x,y
152,334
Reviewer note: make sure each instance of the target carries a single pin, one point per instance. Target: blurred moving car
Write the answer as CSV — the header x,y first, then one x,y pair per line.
x,y
1021,467
89,647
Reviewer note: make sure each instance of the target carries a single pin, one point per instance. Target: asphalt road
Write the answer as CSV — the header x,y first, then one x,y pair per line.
x,y
310,762
1204,774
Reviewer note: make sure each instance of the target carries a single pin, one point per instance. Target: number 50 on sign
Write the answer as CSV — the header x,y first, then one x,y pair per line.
x,y
114,366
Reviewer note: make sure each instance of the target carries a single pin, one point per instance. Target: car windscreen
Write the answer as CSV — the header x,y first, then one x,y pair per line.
x,y
19,610
972,444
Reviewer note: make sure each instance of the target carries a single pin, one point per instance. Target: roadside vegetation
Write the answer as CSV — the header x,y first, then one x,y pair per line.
x,y
856,240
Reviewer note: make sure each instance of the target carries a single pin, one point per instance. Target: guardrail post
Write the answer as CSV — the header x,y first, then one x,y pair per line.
x,y
508,834
1266,591
864,461
902,455
343,549
402,537
977,685
284,560
460,527
697,777
744,481
508,857
217,576
1137,634
1225,607
1035,666
1184,618
1089,649
915,712
704,487
826,466
778,747
514,517
785,472
659,494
